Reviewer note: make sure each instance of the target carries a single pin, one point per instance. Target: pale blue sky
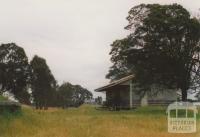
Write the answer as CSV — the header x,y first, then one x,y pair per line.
x,y
72,35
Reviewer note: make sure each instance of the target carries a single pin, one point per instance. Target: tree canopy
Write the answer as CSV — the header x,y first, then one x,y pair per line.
x,y
14,71
42,82
33,82
163,48
72,95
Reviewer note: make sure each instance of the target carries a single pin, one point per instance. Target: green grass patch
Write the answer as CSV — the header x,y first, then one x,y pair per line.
x,y
2,98
87,121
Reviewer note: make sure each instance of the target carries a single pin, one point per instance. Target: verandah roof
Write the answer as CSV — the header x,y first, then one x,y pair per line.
x,y
115,83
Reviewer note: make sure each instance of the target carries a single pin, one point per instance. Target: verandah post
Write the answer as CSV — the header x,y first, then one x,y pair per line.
x,y
131,94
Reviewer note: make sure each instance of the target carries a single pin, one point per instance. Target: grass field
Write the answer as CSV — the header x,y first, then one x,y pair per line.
x,y
2,98
86,121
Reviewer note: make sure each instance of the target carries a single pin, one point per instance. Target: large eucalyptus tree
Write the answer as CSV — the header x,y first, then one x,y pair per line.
x,y
14,71
163,48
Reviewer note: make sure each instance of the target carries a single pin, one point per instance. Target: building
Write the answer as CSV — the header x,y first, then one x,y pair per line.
x,y
90,101
123,94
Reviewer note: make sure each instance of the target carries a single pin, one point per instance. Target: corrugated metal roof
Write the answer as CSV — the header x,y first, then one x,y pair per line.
x,y
114,83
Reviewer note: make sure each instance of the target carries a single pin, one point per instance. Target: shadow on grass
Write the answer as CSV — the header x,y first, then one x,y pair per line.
x,y
148,110
8,116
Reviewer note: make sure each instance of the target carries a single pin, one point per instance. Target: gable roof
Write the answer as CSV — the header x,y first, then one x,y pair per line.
x,y
114,83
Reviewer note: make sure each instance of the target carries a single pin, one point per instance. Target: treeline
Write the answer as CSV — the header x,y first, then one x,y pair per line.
x,y
33,83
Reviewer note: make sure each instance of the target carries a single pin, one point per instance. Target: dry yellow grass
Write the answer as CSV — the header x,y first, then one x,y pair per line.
x,y
88,122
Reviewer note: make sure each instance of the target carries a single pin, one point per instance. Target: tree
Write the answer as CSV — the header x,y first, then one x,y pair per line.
x,y
120,67
80,95
65,94
43,83
72,95
14,71
98,100
163,47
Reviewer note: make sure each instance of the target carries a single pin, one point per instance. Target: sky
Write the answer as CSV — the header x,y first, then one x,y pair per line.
x,y
74,36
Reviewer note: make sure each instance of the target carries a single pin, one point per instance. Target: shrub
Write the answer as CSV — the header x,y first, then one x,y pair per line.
x,y
8,106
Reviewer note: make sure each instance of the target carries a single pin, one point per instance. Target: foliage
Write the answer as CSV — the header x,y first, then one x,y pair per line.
x,y
17,76
120,67
65,92
98,100
72,95
80,95
10,107
42,82
14,71
163,48
2,98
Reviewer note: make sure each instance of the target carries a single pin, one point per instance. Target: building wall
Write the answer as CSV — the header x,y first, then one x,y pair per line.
x,y
120,96
125,98
136,99
159,96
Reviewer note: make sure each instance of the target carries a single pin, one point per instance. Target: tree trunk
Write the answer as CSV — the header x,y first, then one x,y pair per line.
x,y
45,107
40,105
184,94
37,106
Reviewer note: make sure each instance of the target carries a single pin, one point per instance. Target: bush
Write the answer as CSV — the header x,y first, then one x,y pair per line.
x,y
8,106
2,98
